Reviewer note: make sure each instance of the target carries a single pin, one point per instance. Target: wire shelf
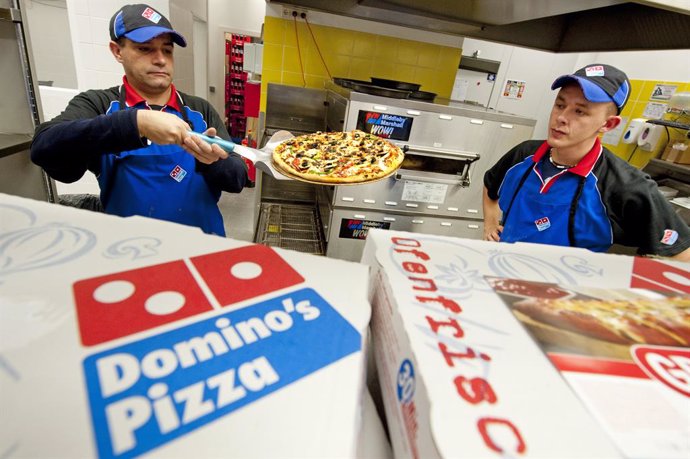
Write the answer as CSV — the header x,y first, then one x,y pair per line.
x,y
289,226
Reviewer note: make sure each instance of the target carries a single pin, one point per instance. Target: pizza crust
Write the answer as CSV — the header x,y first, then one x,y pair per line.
x,y
337,157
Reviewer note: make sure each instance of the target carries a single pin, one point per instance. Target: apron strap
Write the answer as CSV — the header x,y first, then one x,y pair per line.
x,y
517,190
573,209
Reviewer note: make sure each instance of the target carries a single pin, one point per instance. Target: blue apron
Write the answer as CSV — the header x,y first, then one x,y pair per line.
x,y
160,181
550,218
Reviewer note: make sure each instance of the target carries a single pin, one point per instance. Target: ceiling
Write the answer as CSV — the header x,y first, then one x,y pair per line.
x,y
550,25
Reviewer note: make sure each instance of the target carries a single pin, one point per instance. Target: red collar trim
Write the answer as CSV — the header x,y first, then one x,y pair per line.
x,y
132,97
584,167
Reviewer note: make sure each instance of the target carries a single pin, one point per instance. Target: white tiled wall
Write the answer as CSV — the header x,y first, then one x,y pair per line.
x,y
96,67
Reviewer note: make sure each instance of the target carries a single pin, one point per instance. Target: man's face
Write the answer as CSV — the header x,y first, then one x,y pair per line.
x,y
149,66
575,121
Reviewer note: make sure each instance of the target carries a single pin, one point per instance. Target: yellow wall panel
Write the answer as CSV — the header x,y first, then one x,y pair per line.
x,y
360,68
428,55
293,79
405,73
274,30
273,57
364,45
407,53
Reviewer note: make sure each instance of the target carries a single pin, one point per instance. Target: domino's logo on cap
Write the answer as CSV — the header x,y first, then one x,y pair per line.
x,y
595,70
670,237
599,83
151,15
141,23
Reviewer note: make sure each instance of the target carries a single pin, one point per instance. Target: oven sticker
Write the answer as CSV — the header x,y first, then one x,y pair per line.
x,y
424,192
351,228
385,125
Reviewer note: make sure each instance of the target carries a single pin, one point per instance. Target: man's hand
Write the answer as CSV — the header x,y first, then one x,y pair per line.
x,y
492,218
492,232
203,151
161,128
166,129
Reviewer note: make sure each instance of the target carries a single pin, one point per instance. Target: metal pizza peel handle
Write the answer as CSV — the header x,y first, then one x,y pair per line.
x,y
260,158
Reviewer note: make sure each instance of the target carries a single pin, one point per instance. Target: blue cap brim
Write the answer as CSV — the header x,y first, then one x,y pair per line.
x,y
144,34
592,92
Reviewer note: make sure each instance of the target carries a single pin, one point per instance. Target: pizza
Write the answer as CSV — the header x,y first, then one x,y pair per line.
x,y
337,157
640,321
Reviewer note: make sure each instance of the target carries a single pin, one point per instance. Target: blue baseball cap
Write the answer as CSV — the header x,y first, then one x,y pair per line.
x,y
599,83
141,23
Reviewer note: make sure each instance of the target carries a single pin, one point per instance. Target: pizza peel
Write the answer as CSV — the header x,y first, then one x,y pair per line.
x,y
263,159
260,158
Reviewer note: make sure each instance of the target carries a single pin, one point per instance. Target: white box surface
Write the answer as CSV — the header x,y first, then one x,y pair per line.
x,y
122,337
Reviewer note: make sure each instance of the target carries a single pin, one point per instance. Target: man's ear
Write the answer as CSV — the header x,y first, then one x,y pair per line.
x,y
611,123
116,50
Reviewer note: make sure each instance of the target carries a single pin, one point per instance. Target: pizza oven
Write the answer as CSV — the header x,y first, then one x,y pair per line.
x,y
438,189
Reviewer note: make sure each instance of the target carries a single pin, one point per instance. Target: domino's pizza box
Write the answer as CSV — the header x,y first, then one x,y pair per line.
x,y
124,337
459,375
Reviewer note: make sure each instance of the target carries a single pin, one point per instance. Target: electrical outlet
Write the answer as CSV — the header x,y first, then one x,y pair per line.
x,y
287,12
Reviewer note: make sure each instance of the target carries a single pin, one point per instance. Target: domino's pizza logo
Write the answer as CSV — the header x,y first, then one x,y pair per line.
x,y
151,15
670,237
405,384
668,365
594,70
178,174
146,392
543,223
405,389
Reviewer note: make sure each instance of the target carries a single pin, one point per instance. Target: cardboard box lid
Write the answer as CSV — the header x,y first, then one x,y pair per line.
x,y
437,279
121,336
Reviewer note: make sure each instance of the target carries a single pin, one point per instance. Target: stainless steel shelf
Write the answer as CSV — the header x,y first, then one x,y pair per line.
x,y
14,143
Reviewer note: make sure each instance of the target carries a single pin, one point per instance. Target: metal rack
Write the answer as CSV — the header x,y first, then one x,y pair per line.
x,y
290,226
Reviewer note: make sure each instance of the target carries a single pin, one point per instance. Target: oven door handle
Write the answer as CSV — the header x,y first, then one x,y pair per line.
x,y
460,180
438,152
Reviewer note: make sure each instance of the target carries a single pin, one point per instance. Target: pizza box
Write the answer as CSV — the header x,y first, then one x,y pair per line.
x,y
461,377
122,337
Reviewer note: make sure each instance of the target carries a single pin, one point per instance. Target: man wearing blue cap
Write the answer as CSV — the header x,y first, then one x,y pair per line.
x,y
569,190
136,137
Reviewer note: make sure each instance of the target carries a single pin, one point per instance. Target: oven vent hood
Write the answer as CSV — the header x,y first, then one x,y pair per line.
x,y
550,25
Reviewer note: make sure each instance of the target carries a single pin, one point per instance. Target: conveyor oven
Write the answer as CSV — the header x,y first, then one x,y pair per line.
x,y
437,190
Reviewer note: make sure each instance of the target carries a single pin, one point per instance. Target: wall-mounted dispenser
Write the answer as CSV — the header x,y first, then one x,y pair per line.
x,y
633,132
650,136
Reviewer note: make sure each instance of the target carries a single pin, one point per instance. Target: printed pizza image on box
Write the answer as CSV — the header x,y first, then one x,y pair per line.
x,y
626,352
129,337
461,376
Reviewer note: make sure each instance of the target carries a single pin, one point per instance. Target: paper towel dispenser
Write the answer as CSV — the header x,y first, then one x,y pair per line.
x,y
554,25
633,132
650,136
